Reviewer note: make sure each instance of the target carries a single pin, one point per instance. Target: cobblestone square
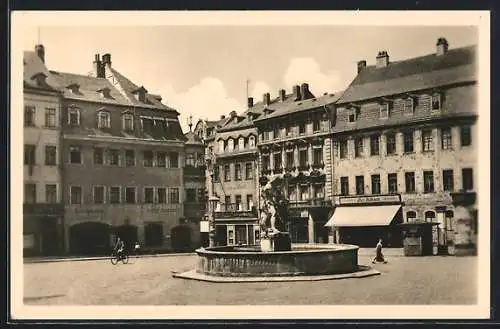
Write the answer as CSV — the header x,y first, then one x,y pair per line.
x,y
148,281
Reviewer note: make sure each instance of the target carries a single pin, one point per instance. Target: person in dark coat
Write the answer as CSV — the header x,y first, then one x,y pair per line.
x,y
379,256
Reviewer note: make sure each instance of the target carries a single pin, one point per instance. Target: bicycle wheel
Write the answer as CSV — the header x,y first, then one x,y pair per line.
x,y
114,259
125,259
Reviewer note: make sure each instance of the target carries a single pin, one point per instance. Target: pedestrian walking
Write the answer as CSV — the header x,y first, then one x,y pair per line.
x,y
137,249
379,256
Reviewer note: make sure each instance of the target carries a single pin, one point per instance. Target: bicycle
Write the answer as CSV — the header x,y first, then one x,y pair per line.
x,y
115,257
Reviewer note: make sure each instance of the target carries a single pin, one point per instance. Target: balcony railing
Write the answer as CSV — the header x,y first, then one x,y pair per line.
x,y
310,203
230,210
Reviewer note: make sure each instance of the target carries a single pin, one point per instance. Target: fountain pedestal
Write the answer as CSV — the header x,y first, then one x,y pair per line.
x,y
279,241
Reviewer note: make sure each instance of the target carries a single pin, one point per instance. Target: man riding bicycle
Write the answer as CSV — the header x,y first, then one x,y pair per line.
x,y
119,248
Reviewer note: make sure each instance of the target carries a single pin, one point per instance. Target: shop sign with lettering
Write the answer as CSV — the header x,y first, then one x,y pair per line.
x,y
370,199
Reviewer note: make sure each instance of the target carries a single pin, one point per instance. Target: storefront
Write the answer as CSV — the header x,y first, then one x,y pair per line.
x,y
362,220
43,229
236,231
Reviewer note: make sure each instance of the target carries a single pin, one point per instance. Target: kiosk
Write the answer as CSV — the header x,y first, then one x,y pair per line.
x,y
418,238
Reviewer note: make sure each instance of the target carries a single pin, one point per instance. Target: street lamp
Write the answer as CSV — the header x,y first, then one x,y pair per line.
x,y
212,202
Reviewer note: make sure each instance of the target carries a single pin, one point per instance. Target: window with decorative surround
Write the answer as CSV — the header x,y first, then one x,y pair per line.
x,y
436,100
351,115
384,111
73,116
409,106
103,119
128,122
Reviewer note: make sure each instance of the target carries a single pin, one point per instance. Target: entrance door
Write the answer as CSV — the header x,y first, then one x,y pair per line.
x,y
89,238
50,236
153,235
181,238
221,235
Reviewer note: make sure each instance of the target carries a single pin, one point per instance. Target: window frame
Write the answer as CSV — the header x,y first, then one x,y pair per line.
x,y
50,113
32,115
360,180
33,189
125,117
359,147
80,151
467,140
390,139
47,193
49,155
410,188
375,140
446,144
427,140
429,185
94,194
447,187
71,111
103,119
71,194
344,185
375,182
392,183
153,194
407,135
110,190
127,188
173,200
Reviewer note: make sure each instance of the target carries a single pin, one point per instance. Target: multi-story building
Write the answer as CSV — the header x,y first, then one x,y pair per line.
x,y
122,155
405,134
295,144
43,213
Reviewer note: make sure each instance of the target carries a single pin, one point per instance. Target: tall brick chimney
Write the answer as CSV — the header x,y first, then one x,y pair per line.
x,y
382,59
296,92
99,69
441,46
250,102
304,90
361,65
106,60
282,95
266,98
40,52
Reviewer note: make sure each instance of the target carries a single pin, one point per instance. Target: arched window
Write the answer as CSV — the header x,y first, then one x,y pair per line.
x,y
230,145
241,143
448,215
251,141
103,119
411,216
430,216
221,145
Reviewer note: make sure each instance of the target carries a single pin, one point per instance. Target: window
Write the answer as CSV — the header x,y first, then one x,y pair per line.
x,y
430,216
277,161
73,117
249,202
241,143
448,215
149,195
129,158
408,141
358,147
221,146
292,193
427,143
227,173
446,138
128,122
50,155
289,160
75,155
29,116
50,117
50,193
277,132
316,124
302,127
343,149
103,119
375,184
410,182
113,157
436,102
392,183
448,180
174,160
76,194
98,194
465,136
428,182
114,195
29,154
318,192
148,158
351,115
230,145
227,202
251,141
318,156
303,158
467,179
408,104
248,171
161,158
288,131
161,194
375,145
360,185
391,144
237,171
29,193
98,156
239,204
344,185
265,162
411,216
130,195
174,195
216,173
304,192
384,111
191,195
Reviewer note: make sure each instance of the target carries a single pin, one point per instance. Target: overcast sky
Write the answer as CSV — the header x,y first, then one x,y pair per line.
x,y
201,70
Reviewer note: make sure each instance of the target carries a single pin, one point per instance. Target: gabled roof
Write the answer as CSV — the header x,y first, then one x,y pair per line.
x,y
33,66
426,72
192,139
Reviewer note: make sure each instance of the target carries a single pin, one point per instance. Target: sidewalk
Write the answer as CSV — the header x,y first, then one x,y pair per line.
x,y
389,252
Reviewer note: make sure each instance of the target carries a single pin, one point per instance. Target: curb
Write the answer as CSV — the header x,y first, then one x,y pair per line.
x,y
80,259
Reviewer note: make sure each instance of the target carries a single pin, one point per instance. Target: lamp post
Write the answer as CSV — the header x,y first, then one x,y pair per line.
x,y
212,201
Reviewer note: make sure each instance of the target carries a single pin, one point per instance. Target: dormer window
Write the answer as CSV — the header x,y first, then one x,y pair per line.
x,y
384,111
73,116
103,119
436,102
105,92
230,145
140,94
128,122
251,141
409,105
352,115
221,146
74,88
241,143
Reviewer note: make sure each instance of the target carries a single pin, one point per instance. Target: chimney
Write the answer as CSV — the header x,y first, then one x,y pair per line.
x,y
304,90
106,60
441,46
361,65
250,102
282,95
99,69
40,52
222,117
382,59
296,92
266,98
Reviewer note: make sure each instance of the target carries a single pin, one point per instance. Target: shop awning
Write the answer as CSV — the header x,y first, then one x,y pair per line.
x,y
363,216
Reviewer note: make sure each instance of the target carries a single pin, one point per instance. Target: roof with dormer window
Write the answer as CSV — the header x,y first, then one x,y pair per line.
x,y
34,67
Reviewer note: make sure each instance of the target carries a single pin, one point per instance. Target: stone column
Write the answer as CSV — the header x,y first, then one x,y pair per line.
x,y
310,228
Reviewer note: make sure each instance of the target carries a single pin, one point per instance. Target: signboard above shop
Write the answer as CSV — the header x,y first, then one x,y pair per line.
x,y
356,200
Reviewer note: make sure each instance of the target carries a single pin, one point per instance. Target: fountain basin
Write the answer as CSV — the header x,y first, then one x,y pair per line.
x,y
302,260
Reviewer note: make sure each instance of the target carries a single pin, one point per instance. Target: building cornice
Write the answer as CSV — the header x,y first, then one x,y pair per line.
x,y
130,140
